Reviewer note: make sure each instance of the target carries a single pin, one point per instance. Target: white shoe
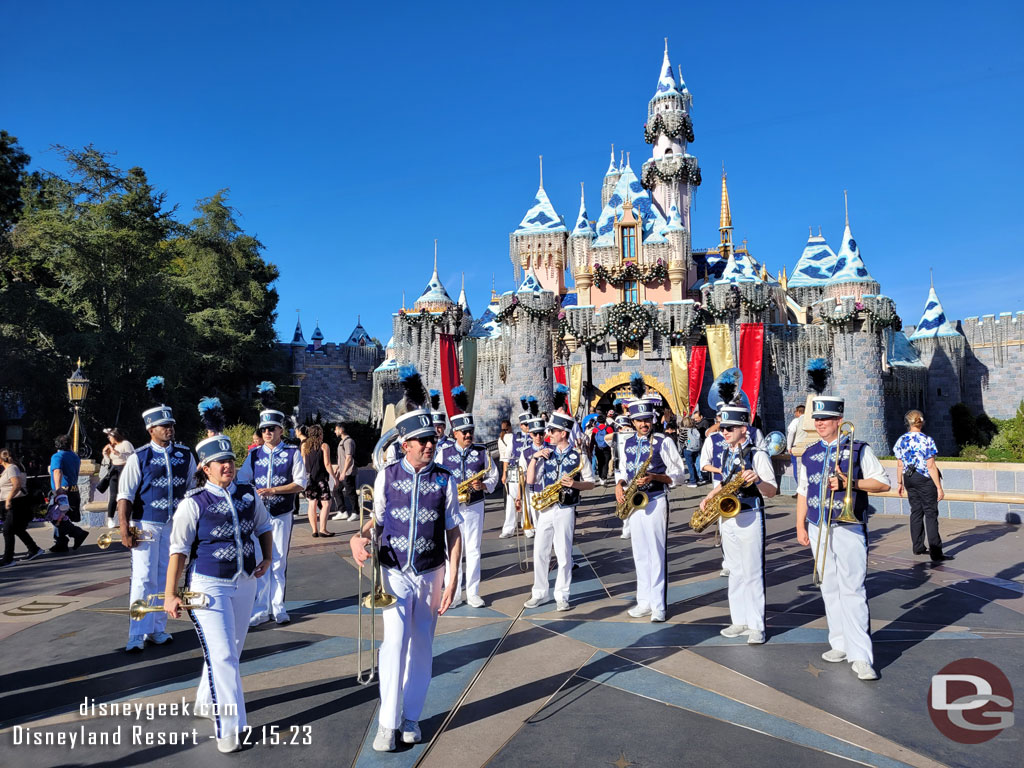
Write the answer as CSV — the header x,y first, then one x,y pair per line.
x,y
261,618
754,637
624,535
864,670
283,618
135,643
457,601
504,535
734,630
657,617
160,638
410,731
475,601
530,534
38,553
638,611
691,485
339,516
834,656
229,743
384,741
724,572
533,602
111,523
562,605
352,517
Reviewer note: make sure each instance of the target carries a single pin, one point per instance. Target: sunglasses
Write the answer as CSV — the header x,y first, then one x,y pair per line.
x,y
728,429
268,429
424,440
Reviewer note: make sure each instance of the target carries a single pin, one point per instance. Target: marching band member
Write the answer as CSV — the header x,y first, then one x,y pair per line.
x,y
215,528
743,535
846,554
623,429
464,459
416,518
536,429
152,485
648,526
554,525
277,471
520,441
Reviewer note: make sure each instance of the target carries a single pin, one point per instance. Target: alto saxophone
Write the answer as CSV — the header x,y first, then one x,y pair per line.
x,y
464,490
723,504
633,497
548,495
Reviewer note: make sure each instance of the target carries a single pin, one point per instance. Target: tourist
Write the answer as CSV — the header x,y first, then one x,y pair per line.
x,y
16,508
690,438
792,433
316,456
64,466
116,451
916,471
600,434
345,476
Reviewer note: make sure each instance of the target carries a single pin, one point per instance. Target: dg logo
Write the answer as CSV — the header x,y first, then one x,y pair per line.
x,y
970,701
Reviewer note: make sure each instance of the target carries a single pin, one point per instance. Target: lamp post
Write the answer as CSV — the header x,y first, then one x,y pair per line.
x,y
78,388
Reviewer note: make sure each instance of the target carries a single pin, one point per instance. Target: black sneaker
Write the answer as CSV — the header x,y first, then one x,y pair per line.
x,y
59,549
79,538
5,563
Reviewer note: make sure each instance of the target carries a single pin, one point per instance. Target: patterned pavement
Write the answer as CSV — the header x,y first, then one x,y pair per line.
x,y
590,687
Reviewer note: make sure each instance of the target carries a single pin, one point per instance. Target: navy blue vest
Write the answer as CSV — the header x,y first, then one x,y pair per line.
x,y
465,465
267,475
443,442
637,449
520,442
224,542
718,449
414,521
163,479
548,471
818,461
749,496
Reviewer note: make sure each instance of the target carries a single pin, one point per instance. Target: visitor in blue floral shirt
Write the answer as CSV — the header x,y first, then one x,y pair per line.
x,y
915,465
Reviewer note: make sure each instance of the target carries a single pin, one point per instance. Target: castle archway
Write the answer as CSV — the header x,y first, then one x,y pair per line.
x,y
617,385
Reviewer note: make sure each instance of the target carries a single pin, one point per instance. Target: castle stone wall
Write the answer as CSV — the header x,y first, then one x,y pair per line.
x,y
336,381
994,362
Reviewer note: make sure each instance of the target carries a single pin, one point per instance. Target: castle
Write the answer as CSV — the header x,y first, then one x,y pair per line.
x,y
643,299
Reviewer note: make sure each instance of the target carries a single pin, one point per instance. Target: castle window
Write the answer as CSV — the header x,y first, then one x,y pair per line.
x,y
939,391
631,292
629,243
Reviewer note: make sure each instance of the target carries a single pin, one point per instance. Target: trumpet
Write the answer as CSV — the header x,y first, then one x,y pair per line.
x,y
375,598
846,515
193,601
109,537
464,489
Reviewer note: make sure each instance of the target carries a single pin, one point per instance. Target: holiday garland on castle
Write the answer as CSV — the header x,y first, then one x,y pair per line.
x,y
535,312
451,314
682,168
670,124
629,323
630,272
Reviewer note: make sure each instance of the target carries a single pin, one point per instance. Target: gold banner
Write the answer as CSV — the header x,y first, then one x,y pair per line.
x,y
680,382
720,349
575,386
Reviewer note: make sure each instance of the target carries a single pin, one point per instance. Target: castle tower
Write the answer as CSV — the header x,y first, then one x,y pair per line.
x,y
582,236
530,337
672,173
611,178
297,347
540,242
318,337
850,276
857,377
941,347
812,271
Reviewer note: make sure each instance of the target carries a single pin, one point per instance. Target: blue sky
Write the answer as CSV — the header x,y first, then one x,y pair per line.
x,y
352,136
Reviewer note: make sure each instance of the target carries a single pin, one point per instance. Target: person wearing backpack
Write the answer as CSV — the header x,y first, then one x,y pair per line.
x,y
690,437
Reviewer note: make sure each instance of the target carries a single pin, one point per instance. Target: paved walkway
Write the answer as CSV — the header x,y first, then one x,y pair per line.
x,y
514,687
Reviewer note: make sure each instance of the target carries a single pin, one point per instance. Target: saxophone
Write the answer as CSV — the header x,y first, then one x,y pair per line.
x,y
548,495
464,490
633,497
723,504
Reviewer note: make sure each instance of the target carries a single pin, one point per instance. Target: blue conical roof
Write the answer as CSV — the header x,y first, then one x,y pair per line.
x,y
486,327
583,226
541,218
629,186
815,264
739,268
850,266
531,283
933,322
675,223
667,84
434,293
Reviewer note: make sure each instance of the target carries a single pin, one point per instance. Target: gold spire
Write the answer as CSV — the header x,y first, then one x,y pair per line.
x,y
725,223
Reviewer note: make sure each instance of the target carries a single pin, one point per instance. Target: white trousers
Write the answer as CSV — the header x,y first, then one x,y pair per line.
x,y
406,654
842,590
511,516
743,546
270,586
647,534
553,529
472,529
222,628
149,575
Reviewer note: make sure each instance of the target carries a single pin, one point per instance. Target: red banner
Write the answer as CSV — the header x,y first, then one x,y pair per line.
x,y
698,357
560,377
450,376
751,356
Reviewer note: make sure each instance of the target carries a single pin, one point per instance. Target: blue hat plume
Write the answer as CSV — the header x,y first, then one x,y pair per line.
x,y
461,398
435,399
637,385
212,414
155,387
415,393
561,399
817,374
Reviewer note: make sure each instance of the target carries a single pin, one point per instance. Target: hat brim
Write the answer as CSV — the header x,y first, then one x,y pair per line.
x,y
817,416
160,423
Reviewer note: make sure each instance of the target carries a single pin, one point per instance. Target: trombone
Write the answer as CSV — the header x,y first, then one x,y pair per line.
x,y
846,428
523,546
109,537
192,601
375,598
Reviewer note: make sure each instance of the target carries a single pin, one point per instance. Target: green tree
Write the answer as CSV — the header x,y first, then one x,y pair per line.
x,y
13,162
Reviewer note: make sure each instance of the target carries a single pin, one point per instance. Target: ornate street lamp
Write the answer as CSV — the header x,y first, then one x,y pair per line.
x,y
78,388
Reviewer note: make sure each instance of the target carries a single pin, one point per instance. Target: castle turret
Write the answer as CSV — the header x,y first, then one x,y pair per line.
x,y
463,302
318,337
850,276
540,241
812,271
611,178
582,236
941,347
529,317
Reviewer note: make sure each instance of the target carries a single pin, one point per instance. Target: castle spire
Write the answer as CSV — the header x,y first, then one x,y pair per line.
x,y
583,226
541,171
463,302
667,77
725,219
846,208
612,170
297,338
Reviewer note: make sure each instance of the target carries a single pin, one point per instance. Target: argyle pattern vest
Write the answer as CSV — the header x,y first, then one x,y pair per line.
x,y
271,470
414,519
548,471
818,461
637,449
163,479
224,543
465,465
740,461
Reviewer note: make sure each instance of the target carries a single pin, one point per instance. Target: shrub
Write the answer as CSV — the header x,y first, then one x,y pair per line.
x,y
240,435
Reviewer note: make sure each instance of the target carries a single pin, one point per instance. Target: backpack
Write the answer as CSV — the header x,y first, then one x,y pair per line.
x,y
692,439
